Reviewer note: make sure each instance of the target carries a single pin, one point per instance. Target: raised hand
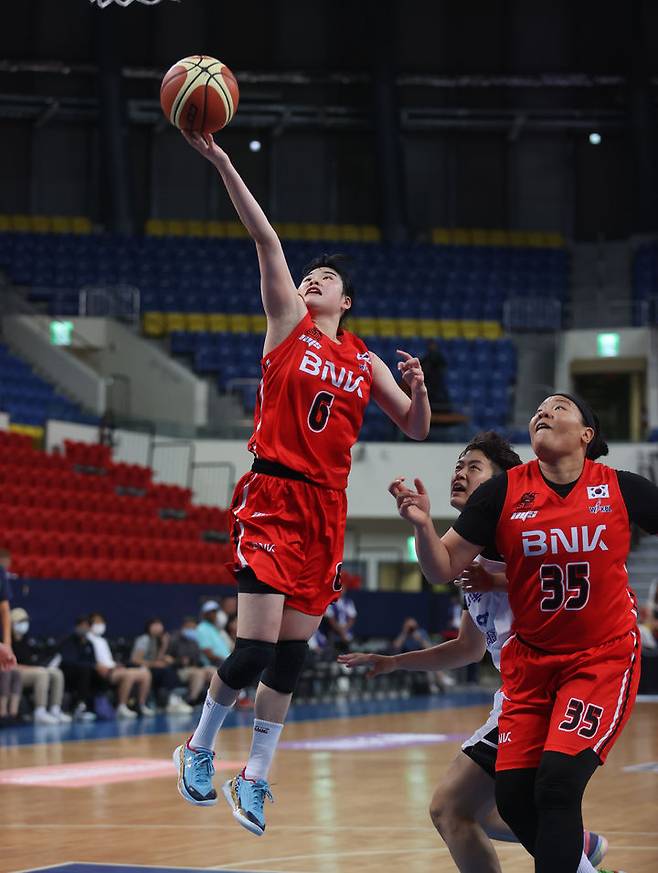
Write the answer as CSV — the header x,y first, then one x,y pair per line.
x,y
204,144
411,371
414,506
378,663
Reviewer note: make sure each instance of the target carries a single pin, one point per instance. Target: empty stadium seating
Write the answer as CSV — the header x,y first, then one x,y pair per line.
x,y
645,283
79,516
29,399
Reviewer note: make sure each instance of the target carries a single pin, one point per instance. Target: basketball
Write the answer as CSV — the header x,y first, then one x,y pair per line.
x,y
199,93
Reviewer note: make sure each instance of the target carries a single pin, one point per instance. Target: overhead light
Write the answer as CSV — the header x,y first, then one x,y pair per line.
x,y
255,145
595,138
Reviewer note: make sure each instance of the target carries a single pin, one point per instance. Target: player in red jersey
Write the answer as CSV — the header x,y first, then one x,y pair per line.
x,y
289,511
571,667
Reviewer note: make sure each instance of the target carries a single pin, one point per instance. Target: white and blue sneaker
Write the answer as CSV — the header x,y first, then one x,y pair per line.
x,y
246,797
195,771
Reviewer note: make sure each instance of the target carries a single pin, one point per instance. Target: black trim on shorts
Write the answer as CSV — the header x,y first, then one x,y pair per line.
x,y
249,583
274,468
484,754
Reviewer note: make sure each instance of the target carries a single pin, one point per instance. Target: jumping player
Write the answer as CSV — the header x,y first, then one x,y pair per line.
x,y
571,666
289,511
463,807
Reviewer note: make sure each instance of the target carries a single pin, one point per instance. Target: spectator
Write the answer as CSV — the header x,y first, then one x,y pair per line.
x,y
213,644
124,678
5,597
37,673
412,638
187,659
434,364
79,668
229,606
10,696
150,651
340,617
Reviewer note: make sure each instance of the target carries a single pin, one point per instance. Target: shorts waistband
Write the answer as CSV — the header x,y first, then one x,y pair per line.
x,y
274,468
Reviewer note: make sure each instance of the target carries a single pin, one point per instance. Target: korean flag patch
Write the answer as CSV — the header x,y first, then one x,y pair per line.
x,y
597,492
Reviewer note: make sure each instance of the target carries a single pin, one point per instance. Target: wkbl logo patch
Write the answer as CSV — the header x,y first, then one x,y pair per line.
x,y
598,492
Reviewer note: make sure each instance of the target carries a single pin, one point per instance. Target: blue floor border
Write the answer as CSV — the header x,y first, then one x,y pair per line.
x,y
30,734
91,867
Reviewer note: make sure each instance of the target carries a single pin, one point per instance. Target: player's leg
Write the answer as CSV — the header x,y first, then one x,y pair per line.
x,y
259,623
460,803
559,788
246,792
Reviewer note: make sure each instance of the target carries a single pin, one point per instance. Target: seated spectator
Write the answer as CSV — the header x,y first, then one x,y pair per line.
x,y
213,643
340,617
150,650
187,659
10,696
38,673
118,675
78,665
411,638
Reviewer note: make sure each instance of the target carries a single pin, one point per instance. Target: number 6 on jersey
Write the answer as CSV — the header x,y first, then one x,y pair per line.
x,y
320,410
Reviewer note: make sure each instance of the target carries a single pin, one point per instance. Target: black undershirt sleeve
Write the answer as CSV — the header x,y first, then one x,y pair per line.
x,y
641,499
479,518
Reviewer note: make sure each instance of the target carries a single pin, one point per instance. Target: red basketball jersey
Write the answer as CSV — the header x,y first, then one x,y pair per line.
x,y
310,403
566,559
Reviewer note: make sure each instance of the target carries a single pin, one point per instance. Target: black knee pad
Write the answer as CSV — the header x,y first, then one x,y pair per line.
x,y
562,779
245,663
285,668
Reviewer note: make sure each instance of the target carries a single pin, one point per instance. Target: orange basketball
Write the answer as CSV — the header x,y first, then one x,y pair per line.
x,y
199,93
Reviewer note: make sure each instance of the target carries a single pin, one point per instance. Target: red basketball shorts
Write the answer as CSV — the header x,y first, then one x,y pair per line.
x,y
291,535
565,703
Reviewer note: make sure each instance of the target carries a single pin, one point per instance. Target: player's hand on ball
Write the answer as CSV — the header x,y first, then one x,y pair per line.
x,y
412,505
476,578
378,664
204,144
411,371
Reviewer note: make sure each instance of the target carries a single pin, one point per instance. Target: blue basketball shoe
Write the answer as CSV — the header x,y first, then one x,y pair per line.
x,y
195,772
595,846
246,797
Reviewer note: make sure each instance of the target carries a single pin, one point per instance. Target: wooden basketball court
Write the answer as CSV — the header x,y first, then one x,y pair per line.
x,y
353,797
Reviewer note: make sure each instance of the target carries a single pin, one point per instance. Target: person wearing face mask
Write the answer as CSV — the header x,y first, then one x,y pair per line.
x,y
209,633
118,675
150,651
45,681
571,666
187,659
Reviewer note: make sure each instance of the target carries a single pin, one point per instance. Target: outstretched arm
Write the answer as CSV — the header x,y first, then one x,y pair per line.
x,y
280,298
411,414
441,559
468,648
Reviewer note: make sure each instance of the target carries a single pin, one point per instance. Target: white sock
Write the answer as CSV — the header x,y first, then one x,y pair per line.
x,y
56,709
212,718
585,866
263,746
39,710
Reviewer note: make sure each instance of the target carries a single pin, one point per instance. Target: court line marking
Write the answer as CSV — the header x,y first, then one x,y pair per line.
x,y
226,827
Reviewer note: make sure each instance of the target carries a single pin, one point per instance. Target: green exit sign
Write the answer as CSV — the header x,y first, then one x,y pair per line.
x,y
61,333
411,549
607,345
